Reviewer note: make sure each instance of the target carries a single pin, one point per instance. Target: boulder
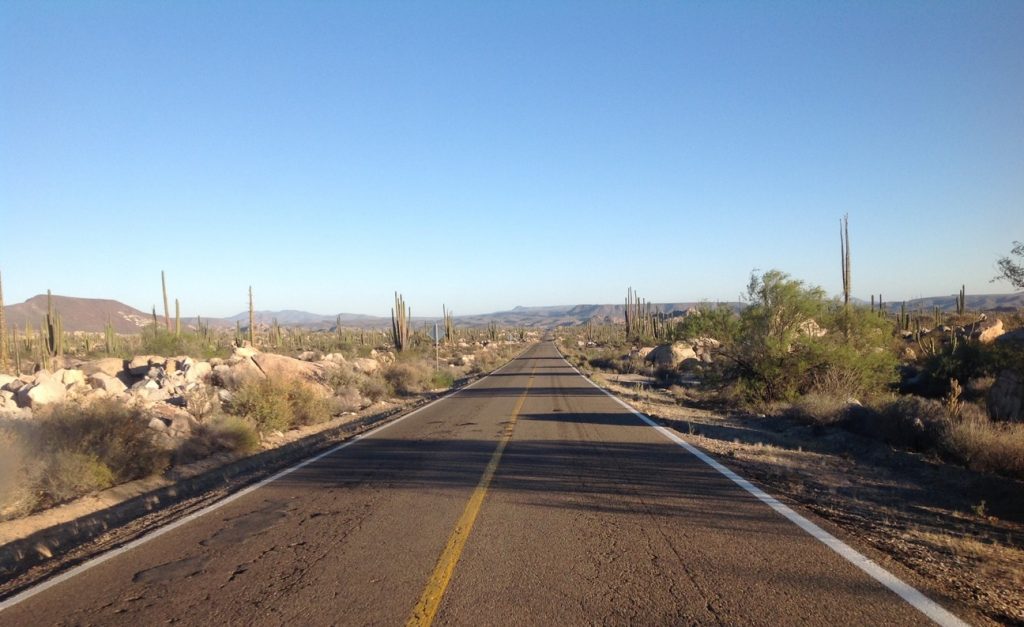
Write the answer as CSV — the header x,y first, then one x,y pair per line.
x,y
670,355
73,377
308,356
238,373
5,379
337,358
111,366
197,371
644,352
244,352
811,328
107,383
282,367
139,365
43,393
366,365
989,330
1006,397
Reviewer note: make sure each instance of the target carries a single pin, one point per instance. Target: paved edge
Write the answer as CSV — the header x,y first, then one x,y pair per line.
x,y
905,591
92,562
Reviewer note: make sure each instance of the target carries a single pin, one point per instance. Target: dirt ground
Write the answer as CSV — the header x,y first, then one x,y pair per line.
x,y
960,532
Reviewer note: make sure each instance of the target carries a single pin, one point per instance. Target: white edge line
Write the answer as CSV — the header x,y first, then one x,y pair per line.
x,y
908,593
156,533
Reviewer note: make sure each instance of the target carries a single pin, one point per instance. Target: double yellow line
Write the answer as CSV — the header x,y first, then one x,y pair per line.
x,y
424,612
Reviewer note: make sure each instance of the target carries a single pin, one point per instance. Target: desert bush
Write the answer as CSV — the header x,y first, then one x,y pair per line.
x,y
987,446
716,321
405,378
777,354
958,432
19,473
342,377
115,434
441,379
229,434
373,388
276,405
818,408
308,407
72,450
73,473
161,342
265,402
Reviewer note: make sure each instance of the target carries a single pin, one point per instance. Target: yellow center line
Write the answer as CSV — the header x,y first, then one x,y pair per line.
x,y
424,612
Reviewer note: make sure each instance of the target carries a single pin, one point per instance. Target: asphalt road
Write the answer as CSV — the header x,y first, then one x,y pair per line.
x,y
528,498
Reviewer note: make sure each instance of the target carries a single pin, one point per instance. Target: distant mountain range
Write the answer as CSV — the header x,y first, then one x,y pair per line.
x,y
92,314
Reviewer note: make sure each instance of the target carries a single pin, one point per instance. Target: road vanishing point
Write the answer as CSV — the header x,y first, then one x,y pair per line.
x,y
531,497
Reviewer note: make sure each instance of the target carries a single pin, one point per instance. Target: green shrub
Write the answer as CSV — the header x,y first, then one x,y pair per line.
x,y
716,321
441,379
778,353
279,405
264,402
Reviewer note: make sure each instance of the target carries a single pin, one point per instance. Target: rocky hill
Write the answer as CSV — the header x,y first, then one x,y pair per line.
x,y
78,314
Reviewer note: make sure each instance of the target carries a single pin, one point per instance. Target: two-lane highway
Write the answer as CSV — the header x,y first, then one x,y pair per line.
x,y
530,497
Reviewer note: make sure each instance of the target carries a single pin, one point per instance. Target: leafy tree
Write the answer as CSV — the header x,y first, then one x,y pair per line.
x,y
771,352
792,340
1011,271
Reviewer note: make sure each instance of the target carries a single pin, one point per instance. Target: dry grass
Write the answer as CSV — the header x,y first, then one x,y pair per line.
x,y
987,446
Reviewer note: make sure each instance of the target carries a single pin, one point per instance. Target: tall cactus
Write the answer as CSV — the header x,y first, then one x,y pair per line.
x,y
449,325
4,363
844,251
109,337
177,318
167,313
961,302
50,328
400,323
252,321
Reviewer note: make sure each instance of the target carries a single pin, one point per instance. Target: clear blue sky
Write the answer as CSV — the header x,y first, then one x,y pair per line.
x,y
493,154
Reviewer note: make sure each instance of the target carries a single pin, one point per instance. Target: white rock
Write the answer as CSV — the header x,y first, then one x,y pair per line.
x,y
6,379
107,383
243,352
990,330
111,366
73,377
44,393
197,371
365,365
157,425
671,355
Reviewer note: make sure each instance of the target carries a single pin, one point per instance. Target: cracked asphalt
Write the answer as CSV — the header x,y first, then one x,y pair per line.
x,y
591,517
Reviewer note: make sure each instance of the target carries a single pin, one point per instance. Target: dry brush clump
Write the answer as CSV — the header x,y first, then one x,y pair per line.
x,y
278,405
222,434
72,450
